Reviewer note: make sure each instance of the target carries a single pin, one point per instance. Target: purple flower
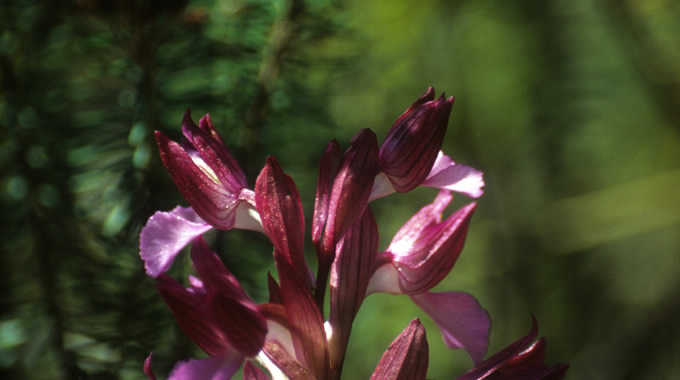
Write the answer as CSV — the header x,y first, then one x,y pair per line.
x,y
411,154
342,194
410,148
421,254
206,174
216,314
288,336
523,359
213,184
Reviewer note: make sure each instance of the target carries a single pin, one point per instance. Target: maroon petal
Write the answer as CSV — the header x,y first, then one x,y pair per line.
x,y
278,203
425,249
192,315
252,372
148,371
199,185
209,146
328,169
243,327
412,145
427,96
532,356
306,322
351,271
407,356
520,360
215,276
351,187
235,314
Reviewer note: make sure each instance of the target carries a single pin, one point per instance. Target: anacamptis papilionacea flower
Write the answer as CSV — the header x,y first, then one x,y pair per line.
x,y
289,336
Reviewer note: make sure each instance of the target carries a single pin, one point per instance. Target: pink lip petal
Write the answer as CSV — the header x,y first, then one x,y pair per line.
x,y
165,234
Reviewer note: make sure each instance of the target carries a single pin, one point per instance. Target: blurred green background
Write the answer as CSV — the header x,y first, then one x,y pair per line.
x,y
571,108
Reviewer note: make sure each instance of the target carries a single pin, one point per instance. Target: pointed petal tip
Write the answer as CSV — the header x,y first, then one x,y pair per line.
x,y
428,94
148,371
206,124
407,356
161,139
186,119
470,207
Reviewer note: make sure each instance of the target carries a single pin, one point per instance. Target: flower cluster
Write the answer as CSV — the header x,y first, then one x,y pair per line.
x,y
289,336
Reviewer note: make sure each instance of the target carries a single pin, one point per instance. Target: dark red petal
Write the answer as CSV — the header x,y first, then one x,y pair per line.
x,y
407,357
148,371
210,199
514,363
251,372
412,145
215,276
192,315
532,356
427,96
212,150
351,187
243,327
328,169
351,271
306,321
235,314
278,203
433,251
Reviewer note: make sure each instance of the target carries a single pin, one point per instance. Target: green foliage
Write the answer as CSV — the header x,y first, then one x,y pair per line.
x,y
570,108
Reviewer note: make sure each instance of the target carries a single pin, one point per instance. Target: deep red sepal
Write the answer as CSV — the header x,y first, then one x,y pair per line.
x,y
148,371
351,188
351,271
522,359
215,276
243,327
252,372
407,357
280,208
208,197
413,142
192,315
209,146
328,169
425,248
306,321
232,310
